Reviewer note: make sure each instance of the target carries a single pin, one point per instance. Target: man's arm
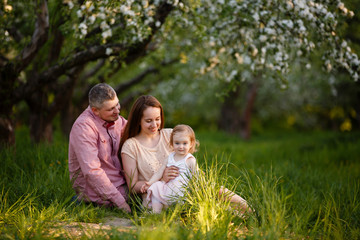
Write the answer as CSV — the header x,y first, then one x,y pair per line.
x,y
84,140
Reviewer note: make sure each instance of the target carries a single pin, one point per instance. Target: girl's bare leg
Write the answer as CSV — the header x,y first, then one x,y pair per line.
x,y
235,199
156,205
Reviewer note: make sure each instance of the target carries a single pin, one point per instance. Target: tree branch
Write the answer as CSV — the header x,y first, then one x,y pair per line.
x,y
15,34
54,72
140,77
137,79
134,51
38,38
64,92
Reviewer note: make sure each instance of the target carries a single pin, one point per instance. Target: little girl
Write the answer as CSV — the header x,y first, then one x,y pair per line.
x,y
159,193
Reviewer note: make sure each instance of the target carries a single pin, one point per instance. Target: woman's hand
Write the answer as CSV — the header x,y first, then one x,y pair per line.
x,y
170,173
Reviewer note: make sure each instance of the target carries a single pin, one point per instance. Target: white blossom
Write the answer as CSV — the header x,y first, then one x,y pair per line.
x,y
288,23
247,60
262,38
70,4
102,16
270,31
104,25
231,75
355,77
92,18
79,13
256,17
83,26
106,34
341,5
108,51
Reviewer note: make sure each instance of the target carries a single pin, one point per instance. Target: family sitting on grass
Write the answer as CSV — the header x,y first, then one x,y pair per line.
x,y
156,162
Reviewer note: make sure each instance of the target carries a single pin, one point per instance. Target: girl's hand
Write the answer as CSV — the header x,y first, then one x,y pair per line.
x,y
144,187
170,173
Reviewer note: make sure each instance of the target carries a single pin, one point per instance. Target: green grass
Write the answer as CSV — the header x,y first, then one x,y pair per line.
x,y
301,185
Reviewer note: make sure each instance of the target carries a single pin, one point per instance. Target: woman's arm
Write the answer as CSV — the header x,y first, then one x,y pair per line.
x,y
158,175
131,173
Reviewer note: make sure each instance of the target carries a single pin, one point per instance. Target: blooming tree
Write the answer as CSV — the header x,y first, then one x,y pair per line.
x,y
44,55
249,42
266,36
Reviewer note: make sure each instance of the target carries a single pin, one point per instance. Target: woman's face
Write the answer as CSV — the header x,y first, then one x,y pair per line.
x,y
151,120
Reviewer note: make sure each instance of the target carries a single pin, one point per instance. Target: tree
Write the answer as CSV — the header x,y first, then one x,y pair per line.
x,y
262,39
44,56
65,41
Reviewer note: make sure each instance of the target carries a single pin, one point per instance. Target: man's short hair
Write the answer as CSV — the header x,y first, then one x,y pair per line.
x,y
100,93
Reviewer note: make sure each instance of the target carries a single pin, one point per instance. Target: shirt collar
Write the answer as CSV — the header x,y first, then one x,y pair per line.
x,y
108,124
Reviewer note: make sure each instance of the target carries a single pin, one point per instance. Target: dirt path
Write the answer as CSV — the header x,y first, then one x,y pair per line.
x,y
77,230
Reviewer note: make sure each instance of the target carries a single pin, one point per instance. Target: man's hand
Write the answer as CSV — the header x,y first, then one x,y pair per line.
x,y
170,173
125,207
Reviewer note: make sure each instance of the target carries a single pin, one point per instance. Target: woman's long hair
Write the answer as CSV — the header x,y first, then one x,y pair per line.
x,y
133,127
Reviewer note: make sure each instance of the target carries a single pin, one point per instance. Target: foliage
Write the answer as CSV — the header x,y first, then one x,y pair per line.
x,y
266,36
66,46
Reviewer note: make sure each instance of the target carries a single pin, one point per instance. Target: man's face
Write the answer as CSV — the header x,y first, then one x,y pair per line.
x,y
109,111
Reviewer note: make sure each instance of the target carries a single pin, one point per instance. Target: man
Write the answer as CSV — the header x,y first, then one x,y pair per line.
x,y
94,166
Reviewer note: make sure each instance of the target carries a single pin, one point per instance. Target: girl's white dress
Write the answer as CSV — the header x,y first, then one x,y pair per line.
x,y
167,193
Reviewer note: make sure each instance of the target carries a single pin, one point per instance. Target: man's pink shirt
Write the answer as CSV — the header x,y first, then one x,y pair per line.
x,y
93,165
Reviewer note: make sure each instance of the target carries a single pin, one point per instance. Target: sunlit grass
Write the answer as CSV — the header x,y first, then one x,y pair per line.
x,y
299,186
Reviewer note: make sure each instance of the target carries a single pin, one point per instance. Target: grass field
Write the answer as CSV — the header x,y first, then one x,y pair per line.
x,y
301,186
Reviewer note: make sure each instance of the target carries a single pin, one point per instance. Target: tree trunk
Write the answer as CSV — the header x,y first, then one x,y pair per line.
x,y
10,71
357,106
229,113
7,79
38,117
71,111
7,134
232,120
245,127
40,128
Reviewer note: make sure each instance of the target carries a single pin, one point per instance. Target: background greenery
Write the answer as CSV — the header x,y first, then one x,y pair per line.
x,y
301,185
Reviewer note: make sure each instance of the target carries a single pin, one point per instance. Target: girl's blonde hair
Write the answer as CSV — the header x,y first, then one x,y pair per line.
x,y
190,132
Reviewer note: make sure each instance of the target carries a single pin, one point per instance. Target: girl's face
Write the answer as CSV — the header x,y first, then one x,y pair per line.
x,y
150,121
181,143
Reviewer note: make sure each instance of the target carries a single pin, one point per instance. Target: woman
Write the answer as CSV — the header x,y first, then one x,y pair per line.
x,y
145,147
